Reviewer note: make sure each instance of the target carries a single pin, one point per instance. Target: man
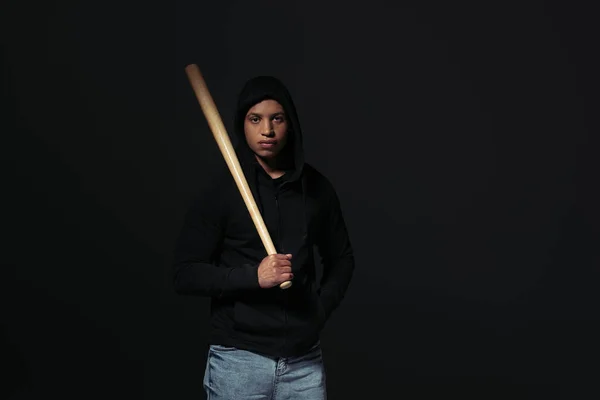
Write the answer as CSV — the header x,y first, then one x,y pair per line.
x,y
264,341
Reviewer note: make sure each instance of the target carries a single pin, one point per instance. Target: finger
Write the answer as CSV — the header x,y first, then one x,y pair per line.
x,y
285,270
284,278
281,264
287,277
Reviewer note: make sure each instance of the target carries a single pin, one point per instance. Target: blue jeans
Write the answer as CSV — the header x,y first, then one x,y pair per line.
x,y
238,374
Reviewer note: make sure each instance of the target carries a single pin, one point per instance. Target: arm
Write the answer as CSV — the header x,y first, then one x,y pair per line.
x,y
196,270
337,257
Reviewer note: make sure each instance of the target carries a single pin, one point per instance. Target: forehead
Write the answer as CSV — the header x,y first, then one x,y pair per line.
x,y
268,106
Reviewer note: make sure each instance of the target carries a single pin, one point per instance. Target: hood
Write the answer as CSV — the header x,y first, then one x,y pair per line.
x,y
254,91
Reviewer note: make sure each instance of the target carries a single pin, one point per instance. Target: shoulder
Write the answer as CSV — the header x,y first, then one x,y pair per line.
x,y
313,175
317,182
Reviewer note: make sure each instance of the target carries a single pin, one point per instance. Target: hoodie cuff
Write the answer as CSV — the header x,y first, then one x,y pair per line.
x,y
244,277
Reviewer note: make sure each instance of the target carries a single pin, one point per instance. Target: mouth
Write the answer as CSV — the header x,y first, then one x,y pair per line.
x,y
267,144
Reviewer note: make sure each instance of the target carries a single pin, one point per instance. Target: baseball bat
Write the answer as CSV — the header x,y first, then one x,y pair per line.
x,y
215,123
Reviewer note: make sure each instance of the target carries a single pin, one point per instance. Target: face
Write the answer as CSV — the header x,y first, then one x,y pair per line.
x,y
266,128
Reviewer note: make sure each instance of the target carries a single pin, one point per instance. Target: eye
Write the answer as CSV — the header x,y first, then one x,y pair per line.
x,y
279,118
253,119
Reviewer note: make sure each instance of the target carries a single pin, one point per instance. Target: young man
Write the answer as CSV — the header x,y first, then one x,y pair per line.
x,y
264,341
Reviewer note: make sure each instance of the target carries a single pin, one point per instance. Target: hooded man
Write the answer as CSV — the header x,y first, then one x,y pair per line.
x,y
264,340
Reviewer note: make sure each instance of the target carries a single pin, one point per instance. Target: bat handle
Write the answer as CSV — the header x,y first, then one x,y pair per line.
x,y
285,285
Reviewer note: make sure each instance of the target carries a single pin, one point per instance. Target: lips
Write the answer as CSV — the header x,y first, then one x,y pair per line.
x,y
267,144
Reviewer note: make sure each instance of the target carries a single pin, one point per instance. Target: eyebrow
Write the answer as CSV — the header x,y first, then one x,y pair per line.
x,y
272,115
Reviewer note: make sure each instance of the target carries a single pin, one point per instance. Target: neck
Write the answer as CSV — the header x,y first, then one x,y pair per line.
x,y
271,167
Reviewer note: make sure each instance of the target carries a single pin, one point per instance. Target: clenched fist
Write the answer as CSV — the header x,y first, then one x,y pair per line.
x,y
274,270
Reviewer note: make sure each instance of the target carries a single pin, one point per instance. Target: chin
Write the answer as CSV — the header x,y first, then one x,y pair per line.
x,y
266,154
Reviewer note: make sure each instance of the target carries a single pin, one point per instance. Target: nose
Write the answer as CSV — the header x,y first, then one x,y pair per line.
x,y
267,129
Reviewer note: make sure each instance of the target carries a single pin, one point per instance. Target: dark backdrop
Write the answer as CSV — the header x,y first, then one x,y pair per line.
x,y
459,138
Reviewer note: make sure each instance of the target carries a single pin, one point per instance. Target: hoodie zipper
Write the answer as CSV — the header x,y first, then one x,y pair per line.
x,y
278,221
282,250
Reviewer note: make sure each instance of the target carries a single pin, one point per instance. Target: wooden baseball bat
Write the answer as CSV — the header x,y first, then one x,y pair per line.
x,y
218,129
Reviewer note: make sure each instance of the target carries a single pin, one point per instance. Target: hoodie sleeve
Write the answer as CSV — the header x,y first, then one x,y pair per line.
x,y
337,256
196,270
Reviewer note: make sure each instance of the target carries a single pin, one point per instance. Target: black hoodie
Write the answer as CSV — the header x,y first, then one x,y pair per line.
x,y
219,250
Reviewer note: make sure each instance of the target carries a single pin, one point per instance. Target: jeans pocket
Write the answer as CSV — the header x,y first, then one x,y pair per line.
x,y
221,348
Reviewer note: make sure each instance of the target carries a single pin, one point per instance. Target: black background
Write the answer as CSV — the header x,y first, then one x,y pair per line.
x,y
459,139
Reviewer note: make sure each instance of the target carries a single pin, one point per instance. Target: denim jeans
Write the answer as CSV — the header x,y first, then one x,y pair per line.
x,y
233,374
